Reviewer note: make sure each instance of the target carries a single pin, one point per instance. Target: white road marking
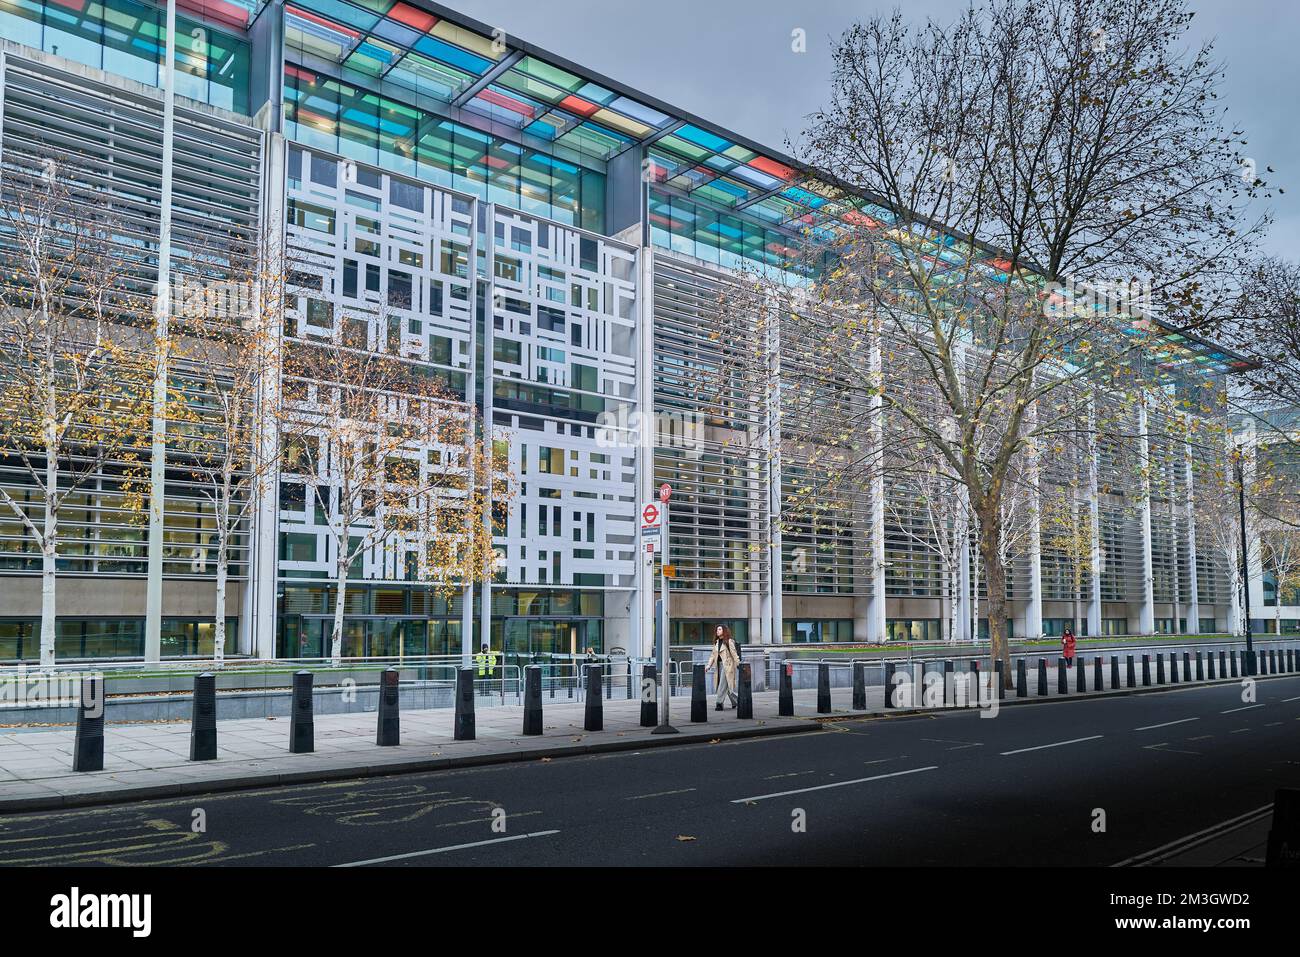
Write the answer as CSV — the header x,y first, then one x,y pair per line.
x,y
1152,727
1289,700
1198,837
444,850
1056,744
1246,708
640,797
837,784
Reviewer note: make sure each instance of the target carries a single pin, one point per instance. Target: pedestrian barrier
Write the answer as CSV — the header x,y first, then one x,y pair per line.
x,y
594,712
533,700
823,688
699,700
203,720
302,726
649,696
464,727
745,697
88,745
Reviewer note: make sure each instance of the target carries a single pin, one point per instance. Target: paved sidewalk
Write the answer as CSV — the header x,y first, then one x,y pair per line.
x,y
152,759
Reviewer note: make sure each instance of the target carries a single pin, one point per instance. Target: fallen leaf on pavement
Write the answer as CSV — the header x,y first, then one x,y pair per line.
x,y
685,837
546,760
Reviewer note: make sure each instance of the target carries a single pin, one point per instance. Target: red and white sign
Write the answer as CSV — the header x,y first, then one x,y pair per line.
x,y
665,492
650,516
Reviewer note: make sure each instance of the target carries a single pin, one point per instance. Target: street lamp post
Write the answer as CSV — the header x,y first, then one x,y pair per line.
x,y
1245,562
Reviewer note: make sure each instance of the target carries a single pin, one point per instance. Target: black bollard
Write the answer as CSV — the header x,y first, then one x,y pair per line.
x,y
745,702
998,670
594,713
1160,669
1022,681
1062,677
1173,667
1114,672
699,698
949,693
1097,684
1272,661
533,701
1209,666
1187,666
1290,659
88,746
1130,673
649,696
1200,667
1232,660
973,682
1081,680
463,726
859,686
302,726
1146,671
1042,677
388,734
1223,663
823,687
785,692
203,718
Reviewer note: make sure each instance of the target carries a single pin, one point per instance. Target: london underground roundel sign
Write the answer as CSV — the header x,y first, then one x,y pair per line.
x,y
650,515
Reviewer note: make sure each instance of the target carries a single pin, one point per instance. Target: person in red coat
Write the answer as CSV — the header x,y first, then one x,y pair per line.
x,y
1067,647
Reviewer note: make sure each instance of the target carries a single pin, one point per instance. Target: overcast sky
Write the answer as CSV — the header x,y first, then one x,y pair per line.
x,y
729,61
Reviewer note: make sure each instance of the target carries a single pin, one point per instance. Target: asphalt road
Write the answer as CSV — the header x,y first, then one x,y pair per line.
x,y
1023,788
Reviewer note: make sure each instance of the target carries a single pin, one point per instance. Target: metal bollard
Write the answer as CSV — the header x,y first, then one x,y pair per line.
x,y
1200,667
1290,659
1130,673
1062,677
533,700
974,681
1146,671
1042,677
629,679
1097,683
1209,666
1022,682
1114,672
88,746
948,690
203,718
388,734
699,699
997,672
1187,666
1173,667
889,684
1232,660
859,686
823,687
1223,663
785,696
302,726
1248,663
594,714
464,727
745,702
1272,661
649,696
1081,679
1160,669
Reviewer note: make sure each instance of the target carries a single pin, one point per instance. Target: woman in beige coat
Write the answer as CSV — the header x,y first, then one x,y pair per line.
x,y
727,659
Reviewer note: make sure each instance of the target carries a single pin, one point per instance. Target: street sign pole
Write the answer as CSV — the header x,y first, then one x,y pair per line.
x,y
665,726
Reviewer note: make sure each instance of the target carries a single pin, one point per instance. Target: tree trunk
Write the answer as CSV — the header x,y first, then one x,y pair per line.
x,y
340,593
995,578
49,560
219,622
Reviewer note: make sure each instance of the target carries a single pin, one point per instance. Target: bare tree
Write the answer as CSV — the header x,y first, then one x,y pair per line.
x,y
1021,160
75,367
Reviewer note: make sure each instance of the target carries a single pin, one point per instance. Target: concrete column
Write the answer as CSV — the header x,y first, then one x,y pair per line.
x,y
1147,609
773,477
644,438
1034,606
963,579
162,317
1094,520
258,616
489,329
876,631
1189,506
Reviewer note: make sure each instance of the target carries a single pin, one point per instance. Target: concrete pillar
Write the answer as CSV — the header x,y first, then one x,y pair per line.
x,y
876,603
1093,603
1034,606
1189,506
772,480
644,438
1147,608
